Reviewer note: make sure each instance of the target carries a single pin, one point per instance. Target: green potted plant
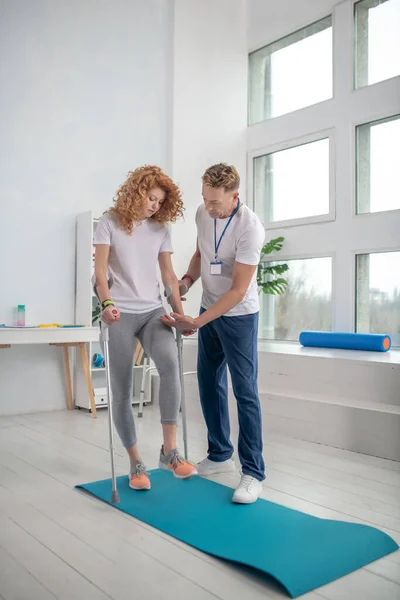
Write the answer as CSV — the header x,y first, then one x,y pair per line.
x,y
96,312
269,278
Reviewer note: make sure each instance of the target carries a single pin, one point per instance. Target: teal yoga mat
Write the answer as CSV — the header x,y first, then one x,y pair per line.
x,y
300,551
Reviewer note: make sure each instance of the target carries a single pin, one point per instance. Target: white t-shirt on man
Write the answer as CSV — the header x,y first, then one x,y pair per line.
x,y
242,242
133,262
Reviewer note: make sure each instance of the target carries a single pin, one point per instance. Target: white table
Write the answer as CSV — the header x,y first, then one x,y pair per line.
x,y
64,337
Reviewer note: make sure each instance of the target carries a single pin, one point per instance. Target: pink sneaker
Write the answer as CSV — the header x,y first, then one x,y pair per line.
x,y
138,478
181,468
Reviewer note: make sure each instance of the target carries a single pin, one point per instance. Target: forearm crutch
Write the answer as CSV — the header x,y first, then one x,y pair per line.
x,y
105,337
179,344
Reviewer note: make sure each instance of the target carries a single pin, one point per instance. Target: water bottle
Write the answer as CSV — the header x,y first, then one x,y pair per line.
x,y
21,315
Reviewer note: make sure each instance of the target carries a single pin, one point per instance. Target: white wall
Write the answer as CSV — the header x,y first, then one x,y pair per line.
x,y
85,94
209,106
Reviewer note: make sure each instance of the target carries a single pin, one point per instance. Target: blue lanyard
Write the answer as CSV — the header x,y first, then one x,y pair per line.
x,y
226,227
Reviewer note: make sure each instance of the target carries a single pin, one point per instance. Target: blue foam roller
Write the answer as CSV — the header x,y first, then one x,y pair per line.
x,y
374,342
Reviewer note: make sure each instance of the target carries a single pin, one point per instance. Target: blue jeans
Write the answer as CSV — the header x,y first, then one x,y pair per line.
x,y
232,342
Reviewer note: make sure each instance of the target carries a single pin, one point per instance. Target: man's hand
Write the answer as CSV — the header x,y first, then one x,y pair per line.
x,y
185,323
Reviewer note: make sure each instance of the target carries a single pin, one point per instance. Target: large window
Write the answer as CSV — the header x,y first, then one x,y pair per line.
x,y
377,41
306,304
327,178
378,294
291,73
378,173
293,183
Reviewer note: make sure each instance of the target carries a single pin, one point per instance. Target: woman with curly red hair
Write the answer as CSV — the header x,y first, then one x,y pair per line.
x,y
131,239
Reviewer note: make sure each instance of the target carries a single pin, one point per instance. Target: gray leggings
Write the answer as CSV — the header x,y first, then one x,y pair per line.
x,y
158,343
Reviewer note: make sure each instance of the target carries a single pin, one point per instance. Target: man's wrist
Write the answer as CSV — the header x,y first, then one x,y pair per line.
x,y
200,321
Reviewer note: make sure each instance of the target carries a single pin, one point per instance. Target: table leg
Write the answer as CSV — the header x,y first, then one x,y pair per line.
x,y
68,376
86,368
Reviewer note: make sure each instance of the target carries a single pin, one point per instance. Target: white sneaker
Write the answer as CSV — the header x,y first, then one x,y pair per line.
x,y
211,467
248,490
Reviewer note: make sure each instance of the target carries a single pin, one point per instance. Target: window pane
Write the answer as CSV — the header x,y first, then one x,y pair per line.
x,y
291,73
293,183
378,294
306,304
377,27
378,173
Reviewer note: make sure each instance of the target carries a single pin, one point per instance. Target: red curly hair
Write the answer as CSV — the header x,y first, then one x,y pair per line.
x,y
130,197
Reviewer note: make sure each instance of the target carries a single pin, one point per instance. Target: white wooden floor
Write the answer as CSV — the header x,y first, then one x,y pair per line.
x,y
56,542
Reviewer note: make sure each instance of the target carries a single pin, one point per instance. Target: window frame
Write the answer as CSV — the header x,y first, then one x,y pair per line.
x,y
348,233
323,16
285,257
355,253
374,118
317,136
355,49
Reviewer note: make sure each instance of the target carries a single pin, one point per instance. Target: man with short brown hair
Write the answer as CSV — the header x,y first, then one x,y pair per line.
x,y
229,241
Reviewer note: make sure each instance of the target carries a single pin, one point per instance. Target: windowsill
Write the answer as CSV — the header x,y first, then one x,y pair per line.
x,y
312,220
296,349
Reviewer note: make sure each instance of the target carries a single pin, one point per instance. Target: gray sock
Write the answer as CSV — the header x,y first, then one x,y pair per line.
x,y
138,468
168,458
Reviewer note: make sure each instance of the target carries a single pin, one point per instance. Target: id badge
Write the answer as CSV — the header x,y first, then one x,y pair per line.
x,y
216,268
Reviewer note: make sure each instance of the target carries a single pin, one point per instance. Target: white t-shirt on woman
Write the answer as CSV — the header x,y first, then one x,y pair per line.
x,y
133,262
